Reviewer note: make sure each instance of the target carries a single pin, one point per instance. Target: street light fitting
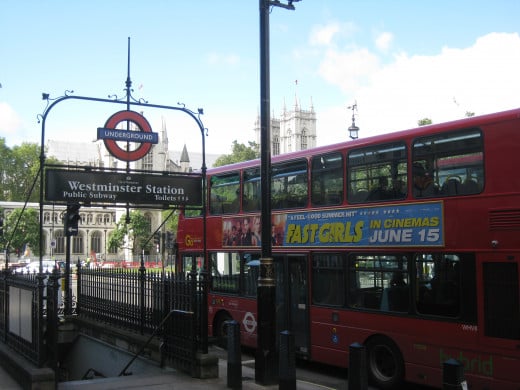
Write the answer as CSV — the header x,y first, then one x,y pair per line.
x,y
289,5
353,130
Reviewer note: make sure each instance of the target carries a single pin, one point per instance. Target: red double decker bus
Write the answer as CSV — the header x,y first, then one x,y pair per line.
x,y
408,243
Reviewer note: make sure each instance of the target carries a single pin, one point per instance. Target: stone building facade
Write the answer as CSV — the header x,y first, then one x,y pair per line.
x,y
294,130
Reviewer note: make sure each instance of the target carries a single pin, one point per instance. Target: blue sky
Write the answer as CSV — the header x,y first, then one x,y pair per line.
x,y
399,60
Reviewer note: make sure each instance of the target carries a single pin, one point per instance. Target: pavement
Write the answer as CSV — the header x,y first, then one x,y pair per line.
x,y
172,379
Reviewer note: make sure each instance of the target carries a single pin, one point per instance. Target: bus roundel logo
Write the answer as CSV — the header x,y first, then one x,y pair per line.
x,y
249,322
142,124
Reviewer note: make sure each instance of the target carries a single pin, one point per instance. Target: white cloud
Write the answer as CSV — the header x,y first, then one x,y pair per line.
x,y
323,35
349,70
384,40
10,122
482,78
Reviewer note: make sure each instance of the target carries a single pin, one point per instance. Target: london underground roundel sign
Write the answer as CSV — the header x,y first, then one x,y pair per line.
x,y
144,139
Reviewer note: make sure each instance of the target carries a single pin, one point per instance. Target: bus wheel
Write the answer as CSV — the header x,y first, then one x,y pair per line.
x,y
220,327
385,363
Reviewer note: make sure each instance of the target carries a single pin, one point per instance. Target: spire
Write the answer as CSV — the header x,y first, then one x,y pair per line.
x,y
185,158
164,133
295,95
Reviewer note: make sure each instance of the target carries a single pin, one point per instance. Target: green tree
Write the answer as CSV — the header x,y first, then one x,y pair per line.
x,y
19,168
5,170
24,169
240,152
172,222
137,231
424,122
469,114
22,230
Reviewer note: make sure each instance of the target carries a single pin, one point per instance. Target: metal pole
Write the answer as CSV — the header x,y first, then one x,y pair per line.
x,y
357,367
234,365
266,358
68,297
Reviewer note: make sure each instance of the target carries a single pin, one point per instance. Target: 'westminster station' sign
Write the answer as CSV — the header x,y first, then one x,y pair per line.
x,y
103,187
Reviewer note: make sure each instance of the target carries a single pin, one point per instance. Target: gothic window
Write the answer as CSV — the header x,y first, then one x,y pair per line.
x,y
60,242
289,141
304,140
95,242
276,146
147,161
77,244
106,218
46,217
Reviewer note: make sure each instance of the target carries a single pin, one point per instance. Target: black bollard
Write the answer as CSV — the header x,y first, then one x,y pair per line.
x,y
287,362
453,375
234,363
357,367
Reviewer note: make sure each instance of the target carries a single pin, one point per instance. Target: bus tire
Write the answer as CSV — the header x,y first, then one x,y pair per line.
x,y
385,363
220,329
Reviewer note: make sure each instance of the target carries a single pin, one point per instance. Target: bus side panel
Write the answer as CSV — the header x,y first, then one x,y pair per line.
x,y
329,341
499,277
332,337
239,309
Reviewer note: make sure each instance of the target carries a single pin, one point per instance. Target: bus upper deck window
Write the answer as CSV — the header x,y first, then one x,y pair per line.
x,y
224,193
377,173
327,180
450,163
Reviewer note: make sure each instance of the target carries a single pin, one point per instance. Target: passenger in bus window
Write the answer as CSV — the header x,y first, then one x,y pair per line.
x,y
398,189
423,184
398,279
381,191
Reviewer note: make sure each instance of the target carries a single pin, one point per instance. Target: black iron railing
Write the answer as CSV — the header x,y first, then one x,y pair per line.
x,y
140,299
24,301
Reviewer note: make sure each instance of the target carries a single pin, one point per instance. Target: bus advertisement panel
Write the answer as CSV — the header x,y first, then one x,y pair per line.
x,y
407,225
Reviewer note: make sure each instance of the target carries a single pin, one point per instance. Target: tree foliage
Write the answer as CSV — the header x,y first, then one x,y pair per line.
x,y
424,122
19,168
172,222
137,232
239,152
22,230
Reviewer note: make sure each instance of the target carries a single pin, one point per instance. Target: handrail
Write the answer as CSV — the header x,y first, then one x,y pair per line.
x,y
147,342
93,371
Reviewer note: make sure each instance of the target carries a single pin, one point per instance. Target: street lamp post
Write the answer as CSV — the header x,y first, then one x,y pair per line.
x,y
266,357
